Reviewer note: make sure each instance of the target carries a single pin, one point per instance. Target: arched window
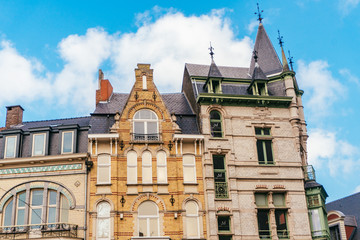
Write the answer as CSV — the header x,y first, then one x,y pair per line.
x,y
161,167
146,167
189,168
148,219
103,221
215,124
145,126
131,167
192,220
42,206
104,169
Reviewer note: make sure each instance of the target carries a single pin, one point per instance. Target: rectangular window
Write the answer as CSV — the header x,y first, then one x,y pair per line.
x,y
189,169
10,147
104,169
36,206
39,144
264,145
146,167
313,201
221,189
281,226
261,199
279,199
161,167
67,142
263,223
224,227
52,207
315,222
20,217
131,167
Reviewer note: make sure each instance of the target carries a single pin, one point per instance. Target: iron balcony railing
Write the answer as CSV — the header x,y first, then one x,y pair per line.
x,y
283,234
145,137
221,190
45,230
309,173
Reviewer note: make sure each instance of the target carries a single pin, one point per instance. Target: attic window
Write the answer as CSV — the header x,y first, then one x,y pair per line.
x,y
260,88
216,86
144,82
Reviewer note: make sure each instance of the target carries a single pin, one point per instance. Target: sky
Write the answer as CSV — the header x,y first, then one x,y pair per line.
x,y
50,53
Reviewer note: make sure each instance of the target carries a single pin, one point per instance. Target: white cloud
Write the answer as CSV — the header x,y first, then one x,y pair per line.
x,y
357,189
252,26
349,76
325,150
345,6
321,86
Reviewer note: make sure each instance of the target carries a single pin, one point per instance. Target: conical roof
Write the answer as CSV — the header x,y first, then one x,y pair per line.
x,y
258,74
268,59
284,61
214,70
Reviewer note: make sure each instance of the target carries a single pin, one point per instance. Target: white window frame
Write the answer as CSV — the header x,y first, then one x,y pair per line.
x,y
33,144
35,207
108,218
161,167
131,166
72,142
145,123
6,145
148,217
104,165
188,166
188,216
146,167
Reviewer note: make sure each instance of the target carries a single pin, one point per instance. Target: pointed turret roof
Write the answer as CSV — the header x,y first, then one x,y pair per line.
x,y
258,73
268,59
214,70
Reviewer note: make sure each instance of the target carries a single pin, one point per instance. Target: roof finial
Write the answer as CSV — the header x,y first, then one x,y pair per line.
x,y
255,56
259,13
281,42
290,61
211,52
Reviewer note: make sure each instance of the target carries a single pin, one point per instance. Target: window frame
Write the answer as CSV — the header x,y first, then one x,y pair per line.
x,y
148,217
99,217
104,165
214,121
161,167
220,184
189,216
44,144
261,142
146,168
63,140
191,165
6,146
131,166
145,122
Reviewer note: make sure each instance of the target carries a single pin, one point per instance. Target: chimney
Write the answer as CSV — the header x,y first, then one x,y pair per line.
x,y
105,89
14,115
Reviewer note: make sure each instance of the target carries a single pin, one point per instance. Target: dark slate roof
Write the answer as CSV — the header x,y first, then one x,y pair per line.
x,y
258,73
188,124
349,206
312,184
116,104
177,103
214,70
268,58
25,126
101,123
226,72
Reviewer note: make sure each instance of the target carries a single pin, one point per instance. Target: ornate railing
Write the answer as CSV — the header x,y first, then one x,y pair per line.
x,y
283,234
221,190
309,173
320,234
43,230
145,137
264,234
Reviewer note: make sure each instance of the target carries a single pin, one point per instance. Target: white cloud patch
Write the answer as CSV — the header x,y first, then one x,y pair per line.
x,y
350,77
345,6
357,189
325,150
252,26
321,86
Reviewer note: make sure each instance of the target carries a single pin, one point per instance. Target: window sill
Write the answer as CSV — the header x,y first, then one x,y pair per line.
x,y
219,138
103,184
222,199
189,184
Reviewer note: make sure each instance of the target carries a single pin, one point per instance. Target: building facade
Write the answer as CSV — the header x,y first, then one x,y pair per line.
x,y
147,180
43,174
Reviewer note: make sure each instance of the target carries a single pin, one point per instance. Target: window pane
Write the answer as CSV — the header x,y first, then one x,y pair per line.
x,y
280,217
266,131
263,222
51,214
132,158
36,216
261,199
20,218
260,150
103,209
104,174
21,199
269,156
161,158
154,228
279,199
189,174
146,158
39,142
139,127
52,197
10,147
37,197
215,115
143,227
8,213
64,212
132,175
67,142
152,128
103,228
148,208
191,208
315,220
147,175
219,176
223,223
192,227
258,131
218,162
161,175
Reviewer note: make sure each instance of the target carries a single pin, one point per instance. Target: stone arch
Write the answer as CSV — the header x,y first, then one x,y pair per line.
x,y
192,198
146,197
145,105
104,199
218,108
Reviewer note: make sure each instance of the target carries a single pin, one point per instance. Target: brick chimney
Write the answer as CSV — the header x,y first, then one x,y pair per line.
x,y
105,89
14,115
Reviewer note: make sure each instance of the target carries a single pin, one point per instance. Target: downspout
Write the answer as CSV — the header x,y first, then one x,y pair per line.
x,y
88,165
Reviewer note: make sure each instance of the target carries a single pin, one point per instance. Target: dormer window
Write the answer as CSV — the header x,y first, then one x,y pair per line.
x,y
67,142
38,146
145,126
260,88
216,86
10,147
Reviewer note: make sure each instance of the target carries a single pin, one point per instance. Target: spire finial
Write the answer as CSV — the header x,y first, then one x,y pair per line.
x,y
291,61
211,52
258,13
255,56
281,42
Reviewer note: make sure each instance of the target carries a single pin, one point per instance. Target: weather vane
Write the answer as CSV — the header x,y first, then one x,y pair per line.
x,y
259,13
255,55
211,51
281,42
290,60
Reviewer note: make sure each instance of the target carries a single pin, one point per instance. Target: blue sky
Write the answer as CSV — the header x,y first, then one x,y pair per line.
x,y
50,52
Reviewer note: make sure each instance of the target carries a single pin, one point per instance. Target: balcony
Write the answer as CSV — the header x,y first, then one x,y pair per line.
x,y
139,137
283,234
309,173
264,234
44,231
320,234
221,190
